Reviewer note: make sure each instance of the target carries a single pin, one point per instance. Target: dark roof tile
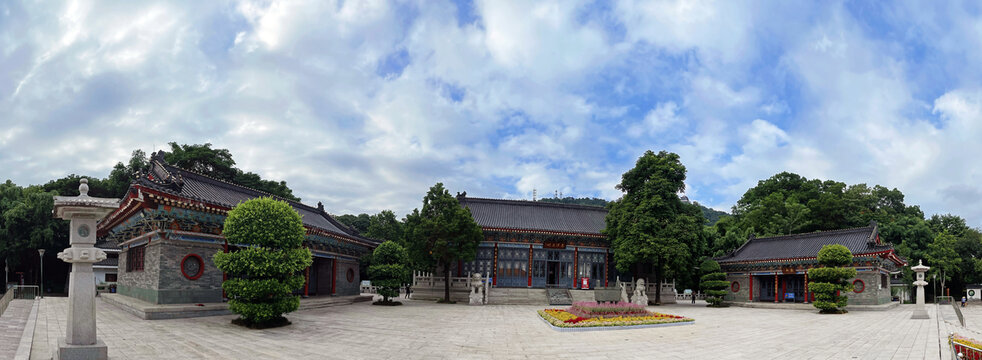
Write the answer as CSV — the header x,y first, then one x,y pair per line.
x,y
858,240
187,184
535,215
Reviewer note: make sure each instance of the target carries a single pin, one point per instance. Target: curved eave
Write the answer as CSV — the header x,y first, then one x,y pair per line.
x,y
547,232
885,254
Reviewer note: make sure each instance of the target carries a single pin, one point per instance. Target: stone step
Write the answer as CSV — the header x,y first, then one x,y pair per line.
x,y
327,301
517,296
559,297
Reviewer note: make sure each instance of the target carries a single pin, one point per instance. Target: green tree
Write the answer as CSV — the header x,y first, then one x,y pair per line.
x,y
26,223
829,280
441,234
358,222
218,163
713,283
384,226
263,276
649,224
942,254
389,270
122,175
202,159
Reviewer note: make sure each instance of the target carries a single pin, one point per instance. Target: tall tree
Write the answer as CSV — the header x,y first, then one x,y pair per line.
x,y
201,158
358,222
441,233
649,224
218,163
944,260
385,226
26,222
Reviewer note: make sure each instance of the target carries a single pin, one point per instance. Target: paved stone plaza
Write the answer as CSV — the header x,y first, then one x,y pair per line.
x,y
425,330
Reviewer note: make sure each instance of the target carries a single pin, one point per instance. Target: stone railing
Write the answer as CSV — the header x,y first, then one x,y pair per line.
x,y
685,297
430,286
6,299
25,292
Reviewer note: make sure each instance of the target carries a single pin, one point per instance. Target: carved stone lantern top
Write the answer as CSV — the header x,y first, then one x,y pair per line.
x,y
83,205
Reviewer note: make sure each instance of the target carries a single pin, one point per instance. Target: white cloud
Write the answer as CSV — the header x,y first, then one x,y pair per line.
x,y
528,96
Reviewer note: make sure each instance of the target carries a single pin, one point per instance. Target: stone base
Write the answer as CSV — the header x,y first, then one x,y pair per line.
x,y
920,313
97,351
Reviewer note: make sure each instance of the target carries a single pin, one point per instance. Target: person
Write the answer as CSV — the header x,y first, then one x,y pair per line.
x,y
964,299
693,297
408,290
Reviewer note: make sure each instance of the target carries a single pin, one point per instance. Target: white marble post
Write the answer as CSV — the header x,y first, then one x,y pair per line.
x,y
84,212
919,311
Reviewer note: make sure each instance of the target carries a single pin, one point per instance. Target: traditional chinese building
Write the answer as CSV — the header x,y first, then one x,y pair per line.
x,y
169,225
774,269
532,244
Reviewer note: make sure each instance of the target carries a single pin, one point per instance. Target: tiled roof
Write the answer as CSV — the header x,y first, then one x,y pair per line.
x,y
107,245
535,215
188,184
109,261
862,240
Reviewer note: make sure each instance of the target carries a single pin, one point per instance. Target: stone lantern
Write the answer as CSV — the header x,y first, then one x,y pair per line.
x,y
84,212
919,312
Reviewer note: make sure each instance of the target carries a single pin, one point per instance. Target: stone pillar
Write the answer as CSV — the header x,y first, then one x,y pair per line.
x,y
919,311
80,341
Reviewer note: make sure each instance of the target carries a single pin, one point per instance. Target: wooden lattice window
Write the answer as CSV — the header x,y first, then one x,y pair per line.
x,y
134,258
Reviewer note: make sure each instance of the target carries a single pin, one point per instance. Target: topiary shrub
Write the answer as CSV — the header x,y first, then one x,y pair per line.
x,y
263,276
389,270
827,281
713,283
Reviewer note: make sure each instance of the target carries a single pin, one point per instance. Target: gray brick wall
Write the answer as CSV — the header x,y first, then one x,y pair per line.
x,y
141,284
743,294
874,292
175,288
344,287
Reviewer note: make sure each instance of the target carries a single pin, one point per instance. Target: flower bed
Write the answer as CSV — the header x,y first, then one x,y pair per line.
x,y
586,314
968,347
593,309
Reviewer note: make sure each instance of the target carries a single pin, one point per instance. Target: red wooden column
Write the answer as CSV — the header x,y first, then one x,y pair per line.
x,y
494,269
751,276
784,288
306,281
530,265
775,287
806,286
576,261
334,275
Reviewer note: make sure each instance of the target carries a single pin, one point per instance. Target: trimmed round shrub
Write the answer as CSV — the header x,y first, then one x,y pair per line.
x,y
389,269
834,255
713,283
263,275
826,282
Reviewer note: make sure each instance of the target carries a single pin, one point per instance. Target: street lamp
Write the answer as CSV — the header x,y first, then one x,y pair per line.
x,y
41,288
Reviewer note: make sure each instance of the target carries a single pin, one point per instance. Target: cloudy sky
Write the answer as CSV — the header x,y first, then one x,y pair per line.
x,y
365,104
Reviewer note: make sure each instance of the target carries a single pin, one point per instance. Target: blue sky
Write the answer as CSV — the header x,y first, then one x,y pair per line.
x,y
365,104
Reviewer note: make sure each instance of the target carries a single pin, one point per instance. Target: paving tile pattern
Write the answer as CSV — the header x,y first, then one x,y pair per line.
x,y
424,330
12,326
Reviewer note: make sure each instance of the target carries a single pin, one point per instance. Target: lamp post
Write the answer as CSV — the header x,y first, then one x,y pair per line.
x,y
41,287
